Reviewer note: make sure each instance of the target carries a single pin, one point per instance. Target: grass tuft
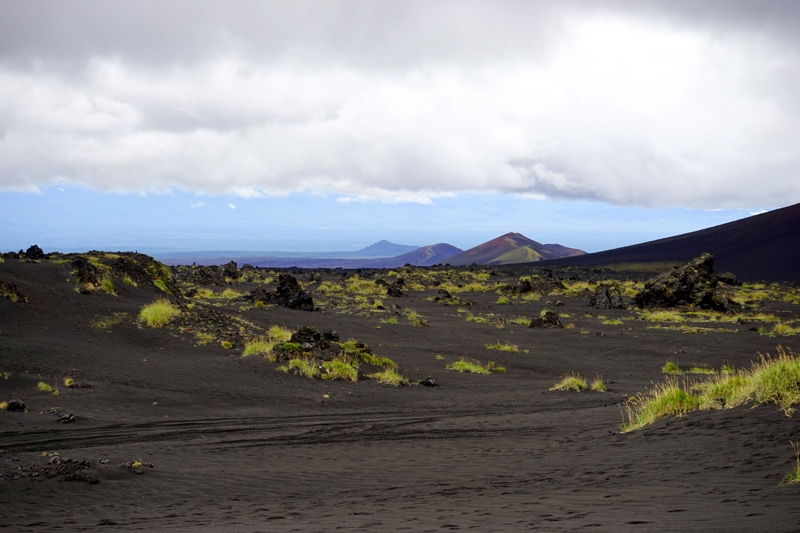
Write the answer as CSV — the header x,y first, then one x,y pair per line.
x,y
598,385
571,381
158,314
671,368
794,475
258,347
389,376
503,347
473,366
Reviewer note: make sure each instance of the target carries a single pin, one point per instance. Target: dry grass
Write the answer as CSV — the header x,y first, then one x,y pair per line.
x,y
570,382
158,314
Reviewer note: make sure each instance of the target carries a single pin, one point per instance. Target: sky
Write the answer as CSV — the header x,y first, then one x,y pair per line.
x,y
329,125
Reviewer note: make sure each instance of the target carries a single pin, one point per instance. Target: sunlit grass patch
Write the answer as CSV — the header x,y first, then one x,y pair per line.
x,y
477,319
230,294
503,347
45,387
107,285
503,301
521,320
279,333
662,316
106,323
389,376
598,385
612,322
570,382
258,347
343,368
302,367
390,320
158,314
671,367
474,366
701,370
669,398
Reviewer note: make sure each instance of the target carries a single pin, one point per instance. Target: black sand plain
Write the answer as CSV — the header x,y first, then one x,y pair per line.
x,y
237,445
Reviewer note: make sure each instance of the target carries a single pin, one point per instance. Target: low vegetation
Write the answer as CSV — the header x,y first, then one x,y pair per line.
x,y
503,347
794,475
770,380
47,388
570,382
389,376
158,314
598,385
474,366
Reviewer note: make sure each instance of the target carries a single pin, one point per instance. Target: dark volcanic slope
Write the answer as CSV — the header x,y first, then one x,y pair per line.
x,y
509,249
761,247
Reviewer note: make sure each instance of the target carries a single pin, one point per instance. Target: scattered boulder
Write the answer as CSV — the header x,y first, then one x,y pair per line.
x,y
288,294
548,320
16,406
34,252
11,291
67,418
428,382
693,284
394,291
607,296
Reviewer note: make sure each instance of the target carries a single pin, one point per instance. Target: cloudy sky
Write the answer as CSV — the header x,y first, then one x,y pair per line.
x,y
256,125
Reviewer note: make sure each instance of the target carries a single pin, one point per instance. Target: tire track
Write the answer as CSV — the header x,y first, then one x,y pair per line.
x,y
308,429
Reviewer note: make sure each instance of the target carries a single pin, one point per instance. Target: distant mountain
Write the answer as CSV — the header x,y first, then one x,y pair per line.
x,y
511,248
423,256
760,247
384,248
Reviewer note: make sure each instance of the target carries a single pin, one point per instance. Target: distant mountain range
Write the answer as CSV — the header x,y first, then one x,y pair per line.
x,y
512,248
760,247
507,249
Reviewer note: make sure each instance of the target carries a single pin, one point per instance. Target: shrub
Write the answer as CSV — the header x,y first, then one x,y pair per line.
x,y
572,381
503,301
158,314
389,377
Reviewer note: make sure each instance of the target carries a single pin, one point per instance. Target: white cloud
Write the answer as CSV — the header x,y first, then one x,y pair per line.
x,y
232,206
197,205
596,105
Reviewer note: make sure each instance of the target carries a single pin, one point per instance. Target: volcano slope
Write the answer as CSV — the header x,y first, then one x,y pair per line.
x,y
236,444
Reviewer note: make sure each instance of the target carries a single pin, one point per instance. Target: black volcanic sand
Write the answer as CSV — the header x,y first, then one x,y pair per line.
x,y
238,446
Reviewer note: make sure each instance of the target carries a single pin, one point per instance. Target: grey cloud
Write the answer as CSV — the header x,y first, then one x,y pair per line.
x,y
646,103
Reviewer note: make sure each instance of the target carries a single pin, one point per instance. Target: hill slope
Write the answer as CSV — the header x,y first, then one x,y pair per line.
x,y
760,247
511,248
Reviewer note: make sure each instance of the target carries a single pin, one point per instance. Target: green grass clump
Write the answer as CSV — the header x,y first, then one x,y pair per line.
x,y
160,285
662,316
390,320
769,380
598,385
3,405
288,347
303,367
47,388
784,330
477,319
613,322
503,347
669,398
343,368
473,366
503,301
258,346
158,314
671,368
701,370
69,382
226,344
107,285
230,294
279,333
572,381
794,475
521,320
389,376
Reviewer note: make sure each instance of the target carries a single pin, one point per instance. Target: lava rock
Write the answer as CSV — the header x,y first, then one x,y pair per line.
x,y
428,382
34,252
231,270
394,291
607,296
729,278
548,320
83,270
67,418
288,294
693,284
16,406
11,291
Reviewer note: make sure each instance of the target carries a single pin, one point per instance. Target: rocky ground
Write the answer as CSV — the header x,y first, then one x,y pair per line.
x,y
173,429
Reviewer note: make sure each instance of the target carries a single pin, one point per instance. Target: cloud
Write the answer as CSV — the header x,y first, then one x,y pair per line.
x,y
652,106
232,206
197,205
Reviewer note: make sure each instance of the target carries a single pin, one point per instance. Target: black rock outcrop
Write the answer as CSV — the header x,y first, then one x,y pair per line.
x,y
692,285
548,320
289,294
34,252
607,296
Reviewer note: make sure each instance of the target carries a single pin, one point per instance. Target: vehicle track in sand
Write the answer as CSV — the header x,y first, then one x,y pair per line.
x,y
309,429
